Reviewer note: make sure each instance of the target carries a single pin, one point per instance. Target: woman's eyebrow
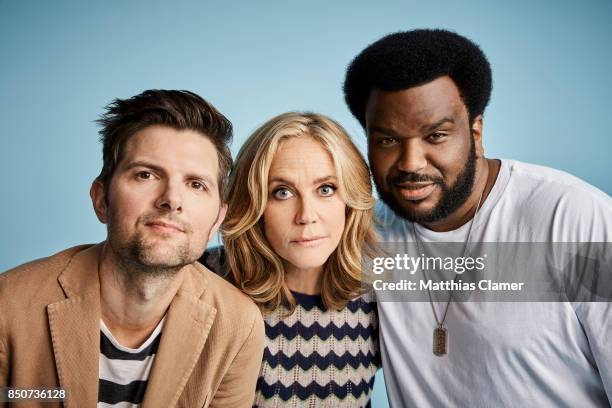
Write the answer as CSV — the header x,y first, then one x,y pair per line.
x,y
282,180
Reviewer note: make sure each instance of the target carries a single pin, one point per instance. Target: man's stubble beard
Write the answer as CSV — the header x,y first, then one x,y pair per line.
x,y
452,197
139,260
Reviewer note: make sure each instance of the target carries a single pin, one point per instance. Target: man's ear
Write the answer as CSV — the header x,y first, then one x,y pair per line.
x,y
98,199
477,135
217,224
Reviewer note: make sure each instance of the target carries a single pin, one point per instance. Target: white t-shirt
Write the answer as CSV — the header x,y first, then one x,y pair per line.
x,y
123,371
527,354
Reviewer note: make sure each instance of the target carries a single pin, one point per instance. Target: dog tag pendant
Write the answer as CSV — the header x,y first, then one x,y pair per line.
x,y
440,341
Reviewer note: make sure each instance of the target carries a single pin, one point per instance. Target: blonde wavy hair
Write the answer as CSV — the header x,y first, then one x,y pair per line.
x,y
254,267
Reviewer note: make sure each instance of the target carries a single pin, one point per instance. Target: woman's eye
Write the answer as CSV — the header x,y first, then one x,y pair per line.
x,y
327,190
282,193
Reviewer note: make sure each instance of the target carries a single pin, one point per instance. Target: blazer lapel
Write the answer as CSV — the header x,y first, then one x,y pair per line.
x,y
188,322
75,329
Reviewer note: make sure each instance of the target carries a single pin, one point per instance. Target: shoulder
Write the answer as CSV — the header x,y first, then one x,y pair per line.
x,y
576,209
553,180
25,292
365,307
232,305
365,302
37,275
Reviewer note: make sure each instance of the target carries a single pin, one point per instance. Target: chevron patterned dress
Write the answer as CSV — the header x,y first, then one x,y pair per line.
x,y
319,358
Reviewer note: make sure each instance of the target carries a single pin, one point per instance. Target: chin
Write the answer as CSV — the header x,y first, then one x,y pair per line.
x,y
308,263
412,210
161,261
416,212
164,256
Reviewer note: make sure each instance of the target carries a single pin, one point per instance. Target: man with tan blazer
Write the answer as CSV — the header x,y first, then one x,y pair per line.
x,y
135,320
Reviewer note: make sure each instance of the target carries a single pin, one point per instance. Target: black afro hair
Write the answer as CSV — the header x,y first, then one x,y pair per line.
x,y
406,59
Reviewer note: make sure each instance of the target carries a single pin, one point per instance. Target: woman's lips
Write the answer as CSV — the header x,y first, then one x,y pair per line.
x,y
415,191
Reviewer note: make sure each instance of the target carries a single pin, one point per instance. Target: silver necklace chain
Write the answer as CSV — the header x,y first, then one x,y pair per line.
x,y
439,322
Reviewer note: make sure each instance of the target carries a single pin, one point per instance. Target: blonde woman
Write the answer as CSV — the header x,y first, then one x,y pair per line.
x,y
300,219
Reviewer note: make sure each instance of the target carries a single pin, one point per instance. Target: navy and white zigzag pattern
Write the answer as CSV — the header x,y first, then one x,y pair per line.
x,y
341,391
321,332
317,357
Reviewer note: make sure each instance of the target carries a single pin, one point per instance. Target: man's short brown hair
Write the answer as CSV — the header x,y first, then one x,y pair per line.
x,y
180,110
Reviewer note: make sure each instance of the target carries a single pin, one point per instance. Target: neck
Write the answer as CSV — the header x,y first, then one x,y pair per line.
x,y
486,174
133,304
304,280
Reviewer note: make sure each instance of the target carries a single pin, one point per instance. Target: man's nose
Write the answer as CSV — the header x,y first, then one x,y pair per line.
x,y
413,158
170,198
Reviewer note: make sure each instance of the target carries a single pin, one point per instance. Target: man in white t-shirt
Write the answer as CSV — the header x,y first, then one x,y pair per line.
x,y
420,96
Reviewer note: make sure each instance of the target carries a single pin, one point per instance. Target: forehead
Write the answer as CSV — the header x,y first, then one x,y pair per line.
x,y
415,107
181,150
302,155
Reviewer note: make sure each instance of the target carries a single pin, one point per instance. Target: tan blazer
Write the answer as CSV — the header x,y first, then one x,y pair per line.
x,y
209,355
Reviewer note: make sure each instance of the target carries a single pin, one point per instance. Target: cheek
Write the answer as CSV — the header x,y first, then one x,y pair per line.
x,y
336,218
205,216
277,223
126,206
380,162
451,160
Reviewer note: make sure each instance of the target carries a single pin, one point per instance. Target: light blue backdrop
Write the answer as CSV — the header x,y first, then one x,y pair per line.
x,y
61,62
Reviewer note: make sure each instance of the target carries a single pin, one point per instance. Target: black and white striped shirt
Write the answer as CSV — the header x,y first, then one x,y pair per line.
x,y
123,371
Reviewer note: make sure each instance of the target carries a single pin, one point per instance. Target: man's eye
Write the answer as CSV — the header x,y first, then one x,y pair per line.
x,y
327,190
282,193
387,141
436,137
198,186
144,175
